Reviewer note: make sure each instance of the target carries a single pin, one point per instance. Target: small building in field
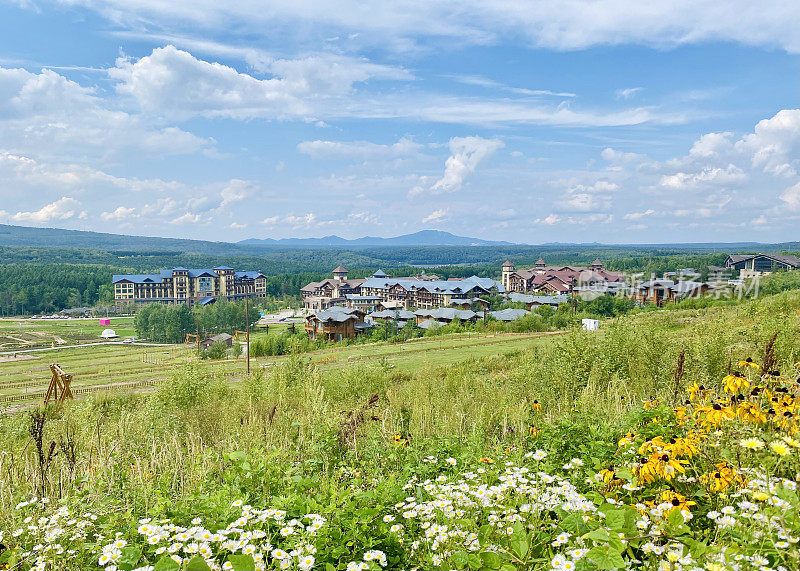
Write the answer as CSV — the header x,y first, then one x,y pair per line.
x,y
532,301
659,292
336,323
224,337
108,334
590,324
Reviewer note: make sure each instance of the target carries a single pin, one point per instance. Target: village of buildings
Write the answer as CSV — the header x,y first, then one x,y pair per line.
x,y
341,307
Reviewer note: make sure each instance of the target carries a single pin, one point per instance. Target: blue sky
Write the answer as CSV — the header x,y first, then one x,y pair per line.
x,y
604,121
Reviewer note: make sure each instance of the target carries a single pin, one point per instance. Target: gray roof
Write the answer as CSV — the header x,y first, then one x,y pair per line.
x,y
447,313
787,259
509,314
554,300
455,287
379,274
393,314
430,324
336,313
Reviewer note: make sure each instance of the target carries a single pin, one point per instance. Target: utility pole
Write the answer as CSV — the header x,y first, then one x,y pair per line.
x,y
247,322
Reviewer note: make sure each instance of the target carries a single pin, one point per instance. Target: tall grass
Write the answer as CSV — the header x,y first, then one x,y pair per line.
x,y
148,451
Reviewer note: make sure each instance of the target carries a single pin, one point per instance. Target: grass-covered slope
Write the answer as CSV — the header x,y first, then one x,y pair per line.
x,y
579,453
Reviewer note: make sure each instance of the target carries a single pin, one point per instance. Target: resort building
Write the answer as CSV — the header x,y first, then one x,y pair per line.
x,y
555,279
381,291
318,296
752,265
182,285
426,294
336,323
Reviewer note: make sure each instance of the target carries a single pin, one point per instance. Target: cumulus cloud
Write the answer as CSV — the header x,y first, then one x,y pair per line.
x,y
62,209
466,153
236,190
48,114
120,214
773,143
791,196
549,220
174,83
717,175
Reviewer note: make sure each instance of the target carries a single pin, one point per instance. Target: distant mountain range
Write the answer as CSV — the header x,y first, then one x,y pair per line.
x,y
421,238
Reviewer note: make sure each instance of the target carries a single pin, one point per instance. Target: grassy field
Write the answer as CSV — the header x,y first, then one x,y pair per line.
x,y
20,334
105,367
652,444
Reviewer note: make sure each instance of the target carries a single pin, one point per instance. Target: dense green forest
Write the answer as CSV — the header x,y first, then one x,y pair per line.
x,y
45,270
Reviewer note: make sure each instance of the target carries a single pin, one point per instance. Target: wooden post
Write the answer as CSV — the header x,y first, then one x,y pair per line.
x,y
247,322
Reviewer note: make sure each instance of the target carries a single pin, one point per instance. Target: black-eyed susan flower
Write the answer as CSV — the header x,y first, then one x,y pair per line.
x,y
536,406
734,383
749,363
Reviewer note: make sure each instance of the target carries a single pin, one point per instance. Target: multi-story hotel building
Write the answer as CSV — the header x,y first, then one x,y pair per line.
x,y
384,291
182,285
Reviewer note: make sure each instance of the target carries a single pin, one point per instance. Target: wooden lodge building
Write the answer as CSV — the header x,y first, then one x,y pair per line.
x,y
336,323
381,291
555,279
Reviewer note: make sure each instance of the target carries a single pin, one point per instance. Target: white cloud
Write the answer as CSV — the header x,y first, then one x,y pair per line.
x,y
465,155
47,114
719,175
173,83
619,157
791,196
120,214
639,215
550,220
400,25
711,145
186,218
360,150
436,216
61,209
774,142
628,93
236,190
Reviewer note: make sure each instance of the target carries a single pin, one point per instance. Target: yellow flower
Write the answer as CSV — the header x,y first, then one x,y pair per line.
x,y
734,383
536,406
693,389
749,363
607,474
627,439
486,461
779,447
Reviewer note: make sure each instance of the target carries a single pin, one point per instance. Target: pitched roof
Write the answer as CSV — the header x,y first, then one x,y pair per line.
x,y
338,269
379,274
555,300
508,264
509,314
336,313
435,286
447,313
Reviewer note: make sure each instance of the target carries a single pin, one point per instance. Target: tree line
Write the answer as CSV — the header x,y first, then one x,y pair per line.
x,y
170,323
